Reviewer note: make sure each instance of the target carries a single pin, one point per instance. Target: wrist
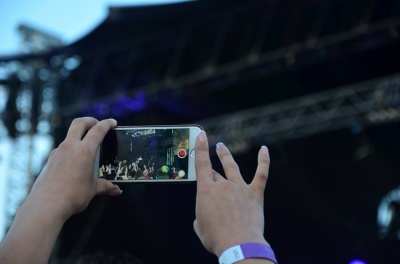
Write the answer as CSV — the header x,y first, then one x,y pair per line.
x,y
41,204
249,253
222,246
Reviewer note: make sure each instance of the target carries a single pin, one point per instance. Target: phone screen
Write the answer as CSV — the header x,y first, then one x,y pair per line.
x,y
145,154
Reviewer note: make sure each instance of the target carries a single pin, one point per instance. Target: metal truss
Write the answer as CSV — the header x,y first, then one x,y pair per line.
x,y
291,56
28,96
363,104
241,43
37,41
26,126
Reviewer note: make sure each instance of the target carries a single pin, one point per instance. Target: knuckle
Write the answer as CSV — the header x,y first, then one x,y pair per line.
x,y
263,176
100,128
203,162
64,146
224,154
92,135
226,186
266,161
52,152
231,165
201,148
85,150
205,191
77,120
102,124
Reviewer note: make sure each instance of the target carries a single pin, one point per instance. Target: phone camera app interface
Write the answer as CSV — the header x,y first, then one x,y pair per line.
x,y
145,154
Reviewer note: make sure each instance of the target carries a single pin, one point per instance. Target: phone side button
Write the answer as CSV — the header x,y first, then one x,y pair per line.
x,y
192,153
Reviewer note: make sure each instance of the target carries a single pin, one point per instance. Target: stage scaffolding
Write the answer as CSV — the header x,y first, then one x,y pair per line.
x,y
357,105
28,98
241,43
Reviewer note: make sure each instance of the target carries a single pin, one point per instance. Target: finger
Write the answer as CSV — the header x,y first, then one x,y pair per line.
x,y
217,176
261,176
79,126
97,133
202,160
231,169
107,187
196,227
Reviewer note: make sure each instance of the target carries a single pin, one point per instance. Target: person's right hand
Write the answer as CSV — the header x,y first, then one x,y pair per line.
x,y
67,182
65,187
228,211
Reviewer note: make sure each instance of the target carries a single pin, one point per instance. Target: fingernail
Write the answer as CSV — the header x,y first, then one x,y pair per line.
x,y
116,190
264,150
112,119
220,146
202,136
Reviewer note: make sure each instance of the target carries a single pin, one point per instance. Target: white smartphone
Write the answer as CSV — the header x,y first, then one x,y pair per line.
x,y
133,154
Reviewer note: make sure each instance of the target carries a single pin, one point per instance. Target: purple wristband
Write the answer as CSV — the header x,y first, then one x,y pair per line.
x,y
257,250
246,251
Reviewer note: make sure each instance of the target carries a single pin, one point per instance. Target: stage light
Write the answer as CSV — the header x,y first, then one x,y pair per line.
x,y
72,63
357,261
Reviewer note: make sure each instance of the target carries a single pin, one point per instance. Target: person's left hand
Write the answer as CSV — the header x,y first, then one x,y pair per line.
x,y
67,182
229,211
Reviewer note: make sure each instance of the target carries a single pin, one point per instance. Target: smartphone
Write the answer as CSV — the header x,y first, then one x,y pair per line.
x,y
133,154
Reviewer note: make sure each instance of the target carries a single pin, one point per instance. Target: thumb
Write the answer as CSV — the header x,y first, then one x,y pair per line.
x,y
107,187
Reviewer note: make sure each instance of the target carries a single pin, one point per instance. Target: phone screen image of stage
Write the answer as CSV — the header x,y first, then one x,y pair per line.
x,y
145,154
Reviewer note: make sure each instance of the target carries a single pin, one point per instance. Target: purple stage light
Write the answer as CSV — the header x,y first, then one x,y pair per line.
x,y
357,261
135,104
117,106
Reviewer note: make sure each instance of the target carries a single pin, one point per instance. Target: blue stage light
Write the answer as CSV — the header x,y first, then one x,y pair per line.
x,y
357,261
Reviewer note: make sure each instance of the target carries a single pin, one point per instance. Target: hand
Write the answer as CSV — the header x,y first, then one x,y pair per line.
x,y
228,211
67,181
65,187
